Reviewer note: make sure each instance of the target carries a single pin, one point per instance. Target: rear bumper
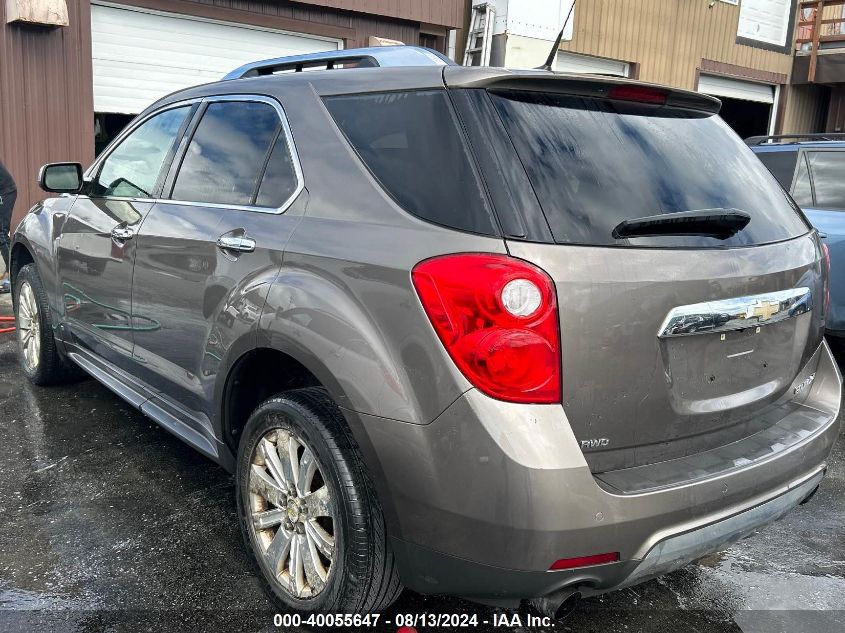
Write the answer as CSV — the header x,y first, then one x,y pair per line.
x,y
458,576
676,551
481,501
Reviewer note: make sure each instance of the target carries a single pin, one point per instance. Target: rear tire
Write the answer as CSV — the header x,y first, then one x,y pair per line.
x,y
307,498
40,359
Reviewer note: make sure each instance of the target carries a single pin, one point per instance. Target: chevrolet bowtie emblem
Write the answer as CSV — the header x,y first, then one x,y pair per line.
x,y
763,310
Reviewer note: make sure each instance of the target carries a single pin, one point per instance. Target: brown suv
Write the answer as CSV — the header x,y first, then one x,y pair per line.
x,y
502,335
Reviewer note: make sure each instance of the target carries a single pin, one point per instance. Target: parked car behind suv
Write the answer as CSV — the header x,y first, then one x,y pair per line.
x,y
496,334
813,171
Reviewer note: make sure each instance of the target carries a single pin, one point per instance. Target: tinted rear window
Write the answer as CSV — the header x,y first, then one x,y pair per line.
x,y
595,163
781,164
412,144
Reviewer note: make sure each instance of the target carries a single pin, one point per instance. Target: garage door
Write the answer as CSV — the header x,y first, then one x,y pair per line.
x,y
736,89
572,63
140,56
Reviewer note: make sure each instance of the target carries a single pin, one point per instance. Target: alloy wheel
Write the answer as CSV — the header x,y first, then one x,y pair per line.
x,y
29,327
292,516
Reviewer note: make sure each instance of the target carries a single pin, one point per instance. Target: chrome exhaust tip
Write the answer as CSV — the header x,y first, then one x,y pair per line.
x,y
558,604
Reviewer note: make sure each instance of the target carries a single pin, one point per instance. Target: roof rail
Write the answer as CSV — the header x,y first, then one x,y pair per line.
x,y
753,141
366,57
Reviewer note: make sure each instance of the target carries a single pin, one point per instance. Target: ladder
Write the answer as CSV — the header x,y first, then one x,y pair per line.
x,y
480,35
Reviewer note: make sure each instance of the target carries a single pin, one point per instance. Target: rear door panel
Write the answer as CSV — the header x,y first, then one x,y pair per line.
x,y
207,298
204,299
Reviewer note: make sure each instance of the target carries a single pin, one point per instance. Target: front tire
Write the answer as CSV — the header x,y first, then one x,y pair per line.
x,y
308,511
39,356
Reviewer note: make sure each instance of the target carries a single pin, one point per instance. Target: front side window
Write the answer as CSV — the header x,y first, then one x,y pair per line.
x,y
828,182
133,169
227,154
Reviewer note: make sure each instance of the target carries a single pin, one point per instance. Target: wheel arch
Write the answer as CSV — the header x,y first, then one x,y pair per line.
x,y
34,241
254,376
20,256
236,401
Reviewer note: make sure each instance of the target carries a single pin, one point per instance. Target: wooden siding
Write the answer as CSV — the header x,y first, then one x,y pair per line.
x,y
805,109
667,38
672,41
46,100
448,13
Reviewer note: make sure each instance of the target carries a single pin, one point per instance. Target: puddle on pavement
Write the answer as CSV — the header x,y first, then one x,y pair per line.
x,y
12,599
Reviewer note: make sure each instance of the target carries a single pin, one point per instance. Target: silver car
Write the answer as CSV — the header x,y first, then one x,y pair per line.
x,y
497,334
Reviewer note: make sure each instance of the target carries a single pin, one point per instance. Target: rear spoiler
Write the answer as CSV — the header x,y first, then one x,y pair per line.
x,y
598,86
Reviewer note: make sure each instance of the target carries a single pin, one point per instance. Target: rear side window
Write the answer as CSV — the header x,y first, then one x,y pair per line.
x,y
828,169
412,144
227,153
781,164
595,163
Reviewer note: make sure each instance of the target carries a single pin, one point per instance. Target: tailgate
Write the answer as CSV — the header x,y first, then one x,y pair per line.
x,y
667,353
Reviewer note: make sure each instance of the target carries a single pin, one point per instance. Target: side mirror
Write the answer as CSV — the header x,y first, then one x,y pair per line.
x,y
61,177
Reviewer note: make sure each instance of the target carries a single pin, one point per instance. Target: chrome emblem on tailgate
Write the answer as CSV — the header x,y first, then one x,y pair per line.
x,y
738,313
763,310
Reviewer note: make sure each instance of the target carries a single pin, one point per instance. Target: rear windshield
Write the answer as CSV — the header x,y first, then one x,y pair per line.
x,y
595,163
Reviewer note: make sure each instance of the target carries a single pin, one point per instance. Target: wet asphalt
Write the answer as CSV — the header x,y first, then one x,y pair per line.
x,y
108,523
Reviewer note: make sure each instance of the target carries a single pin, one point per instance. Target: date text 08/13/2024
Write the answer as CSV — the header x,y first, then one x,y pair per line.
x,y
407,622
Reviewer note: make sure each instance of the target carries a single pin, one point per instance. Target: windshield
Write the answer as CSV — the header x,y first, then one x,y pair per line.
x,y
596,163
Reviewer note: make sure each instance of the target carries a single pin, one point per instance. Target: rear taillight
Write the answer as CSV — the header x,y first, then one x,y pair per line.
x,y
497,318
826,252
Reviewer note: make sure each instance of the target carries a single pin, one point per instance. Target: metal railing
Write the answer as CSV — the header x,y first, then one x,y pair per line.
x,y
817,27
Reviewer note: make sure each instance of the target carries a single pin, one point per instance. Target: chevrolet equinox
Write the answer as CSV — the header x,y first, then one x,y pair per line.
x,y
504,335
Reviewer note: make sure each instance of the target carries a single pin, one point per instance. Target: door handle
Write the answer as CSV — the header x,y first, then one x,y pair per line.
x,y
122,233
237,244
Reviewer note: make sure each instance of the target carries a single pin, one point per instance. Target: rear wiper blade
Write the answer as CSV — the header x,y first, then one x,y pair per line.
x,y
718,223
